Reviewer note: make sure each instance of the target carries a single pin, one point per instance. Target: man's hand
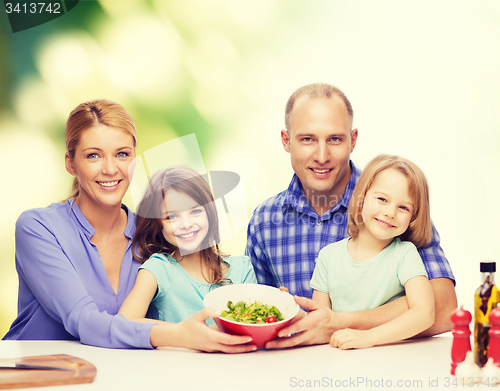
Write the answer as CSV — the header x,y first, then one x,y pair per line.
x,y
194,333
312,329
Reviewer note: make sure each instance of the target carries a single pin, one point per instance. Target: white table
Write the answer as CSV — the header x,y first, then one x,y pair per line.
x,y
419,364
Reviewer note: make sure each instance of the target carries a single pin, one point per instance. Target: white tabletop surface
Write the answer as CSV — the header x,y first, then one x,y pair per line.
x,y
422,364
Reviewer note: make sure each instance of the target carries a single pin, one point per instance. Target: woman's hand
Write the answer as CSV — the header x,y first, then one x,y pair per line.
x,y
194,333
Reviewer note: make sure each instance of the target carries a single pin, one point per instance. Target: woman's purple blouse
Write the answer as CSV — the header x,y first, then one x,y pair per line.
x,y
64,290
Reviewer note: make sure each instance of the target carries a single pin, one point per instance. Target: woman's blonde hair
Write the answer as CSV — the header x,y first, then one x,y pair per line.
x,y
419,231
90,114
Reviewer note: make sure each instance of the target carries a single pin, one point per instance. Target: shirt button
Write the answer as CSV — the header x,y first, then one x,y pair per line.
x,y
318,222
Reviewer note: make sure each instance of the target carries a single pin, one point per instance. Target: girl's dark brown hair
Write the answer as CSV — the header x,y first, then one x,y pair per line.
x,y
149,239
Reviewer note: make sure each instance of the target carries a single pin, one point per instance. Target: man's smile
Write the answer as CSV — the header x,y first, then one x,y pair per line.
x,y
321,170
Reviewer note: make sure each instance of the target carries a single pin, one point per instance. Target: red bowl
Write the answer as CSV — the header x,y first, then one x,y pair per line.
x,y
260,333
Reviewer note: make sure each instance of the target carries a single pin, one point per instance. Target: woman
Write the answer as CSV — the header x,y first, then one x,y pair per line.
x,y
74,259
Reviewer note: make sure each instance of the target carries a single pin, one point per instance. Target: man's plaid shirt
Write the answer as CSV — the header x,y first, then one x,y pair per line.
x,y
285,235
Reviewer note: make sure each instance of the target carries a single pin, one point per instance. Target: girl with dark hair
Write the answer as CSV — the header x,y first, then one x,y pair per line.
x,y
177,238
74,258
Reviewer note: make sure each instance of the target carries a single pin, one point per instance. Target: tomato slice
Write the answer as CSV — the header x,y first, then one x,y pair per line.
x,y
271,319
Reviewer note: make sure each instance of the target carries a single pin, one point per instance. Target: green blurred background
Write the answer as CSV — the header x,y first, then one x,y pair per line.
x,y
422,77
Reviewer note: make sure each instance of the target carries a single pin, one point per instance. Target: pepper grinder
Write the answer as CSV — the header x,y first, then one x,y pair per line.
x,y
461,336
494,342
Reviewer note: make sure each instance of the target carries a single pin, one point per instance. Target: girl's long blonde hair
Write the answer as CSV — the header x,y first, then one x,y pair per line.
x,y
419,231
90,114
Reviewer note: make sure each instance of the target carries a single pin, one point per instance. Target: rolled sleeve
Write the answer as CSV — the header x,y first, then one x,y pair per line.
x,y
434,259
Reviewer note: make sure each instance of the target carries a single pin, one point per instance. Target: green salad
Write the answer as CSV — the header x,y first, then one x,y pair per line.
x,y
254,313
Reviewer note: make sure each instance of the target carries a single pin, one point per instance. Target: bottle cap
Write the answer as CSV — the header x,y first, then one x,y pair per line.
x,y
488,267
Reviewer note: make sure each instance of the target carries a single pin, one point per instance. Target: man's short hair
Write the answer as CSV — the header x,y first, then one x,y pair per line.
x,y
316,90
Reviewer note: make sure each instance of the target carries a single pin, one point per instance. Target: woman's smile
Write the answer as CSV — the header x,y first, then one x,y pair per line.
x,y
109,184
101,164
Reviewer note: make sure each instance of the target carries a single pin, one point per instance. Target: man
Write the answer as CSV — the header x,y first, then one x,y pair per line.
x,y
287,231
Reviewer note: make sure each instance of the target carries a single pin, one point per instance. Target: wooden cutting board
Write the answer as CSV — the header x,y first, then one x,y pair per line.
x,y
81,372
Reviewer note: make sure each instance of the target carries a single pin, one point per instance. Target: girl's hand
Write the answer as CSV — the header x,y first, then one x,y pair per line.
x,y
283,289
135,306
351,339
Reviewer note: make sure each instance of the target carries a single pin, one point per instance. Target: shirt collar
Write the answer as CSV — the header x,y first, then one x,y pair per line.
x,y
130,228
89,229
355,174
295,197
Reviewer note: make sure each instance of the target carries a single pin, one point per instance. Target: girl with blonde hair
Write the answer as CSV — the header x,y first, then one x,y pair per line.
x,y
389,217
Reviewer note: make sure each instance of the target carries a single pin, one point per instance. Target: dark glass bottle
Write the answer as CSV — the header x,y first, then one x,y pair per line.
x,y
485,299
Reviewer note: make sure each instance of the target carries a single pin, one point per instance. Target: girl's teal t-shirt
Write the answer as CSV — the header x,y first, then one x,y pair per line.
x,y
179,295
